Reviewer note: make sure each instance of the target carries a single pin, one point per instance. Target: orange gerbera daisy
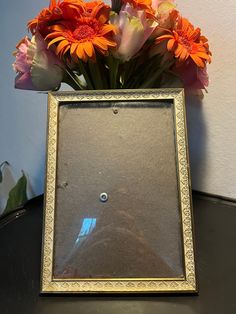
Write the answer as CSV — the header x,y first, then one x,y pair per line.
x,y
185,41
56,12
98,10
82,37
143,5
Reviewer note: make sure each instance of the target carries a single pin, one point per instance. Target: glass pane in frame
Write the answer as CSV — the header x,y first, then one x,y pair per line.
x,y
127,153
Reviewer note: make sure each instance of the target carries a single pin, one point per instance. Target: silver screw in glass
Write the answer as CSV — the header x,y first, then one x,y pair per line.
x,y
103,197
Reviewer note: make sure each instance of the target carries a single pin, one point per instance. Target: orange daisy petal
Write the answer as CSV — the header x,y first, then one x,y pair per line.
x,y
61,46
194,35
171,43
57,28
55,40
52,4
178,50
109,42
53,35
203,55
163,37
198,61
73,48
80,53
108,28
66,49
88,48
183,55
185,25
100,43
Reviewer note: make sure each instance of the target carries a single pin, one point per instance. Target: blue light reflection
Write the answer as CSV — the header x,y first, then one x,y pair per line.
x,y
88,224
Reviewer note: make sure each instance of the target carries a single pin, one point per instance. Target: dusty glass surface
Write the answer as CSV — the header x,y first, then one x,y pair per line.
x,y
117,209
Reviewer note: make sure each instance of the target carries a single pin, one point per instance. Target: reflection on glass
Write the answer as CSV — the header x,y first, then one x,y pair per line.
x,y
88,225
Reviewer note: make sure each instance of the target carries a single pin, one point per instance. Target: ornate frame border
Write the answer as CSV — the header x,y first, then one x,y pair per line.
x,y
148,285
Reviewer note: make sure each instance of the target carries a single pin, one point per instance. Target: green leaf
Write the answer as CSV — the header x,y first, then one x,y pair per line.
x,y
17,195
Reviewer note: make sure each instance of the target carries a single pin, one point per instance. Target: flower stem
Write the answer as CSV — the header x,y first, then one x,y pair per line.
x,y
85,74
71,79
95,72
151,81
113,65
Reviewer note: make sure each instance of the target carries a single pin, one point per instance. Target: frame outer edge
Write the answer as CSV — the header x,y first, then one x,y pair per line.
x,y
50,189
144,285
195,286
185,192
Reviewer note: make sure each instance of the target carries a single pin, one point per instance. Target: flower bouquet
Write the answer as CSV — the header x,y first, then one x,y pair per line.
x,y
132,44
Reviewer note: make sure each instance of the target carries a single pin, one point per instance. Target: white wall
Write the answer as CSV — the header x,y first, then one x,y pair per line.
x,y
212,124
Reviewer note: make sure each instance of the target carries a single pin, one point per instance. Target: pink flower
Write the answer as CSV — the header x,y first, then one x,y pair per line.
x,y
166,15
37,67
134,31
192,76
163,5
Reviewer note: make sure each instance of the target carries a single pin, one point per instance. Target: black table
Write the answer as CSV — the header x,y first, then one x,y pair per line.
x,y
215,230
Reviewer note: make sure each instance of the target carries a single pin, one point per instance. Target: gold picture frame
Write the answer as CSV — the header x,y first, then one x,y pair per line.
x,y
114,100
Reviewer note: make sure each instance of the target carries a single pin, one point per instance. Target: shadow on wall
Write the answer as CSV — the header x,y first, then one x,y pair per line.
x,y
197,134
